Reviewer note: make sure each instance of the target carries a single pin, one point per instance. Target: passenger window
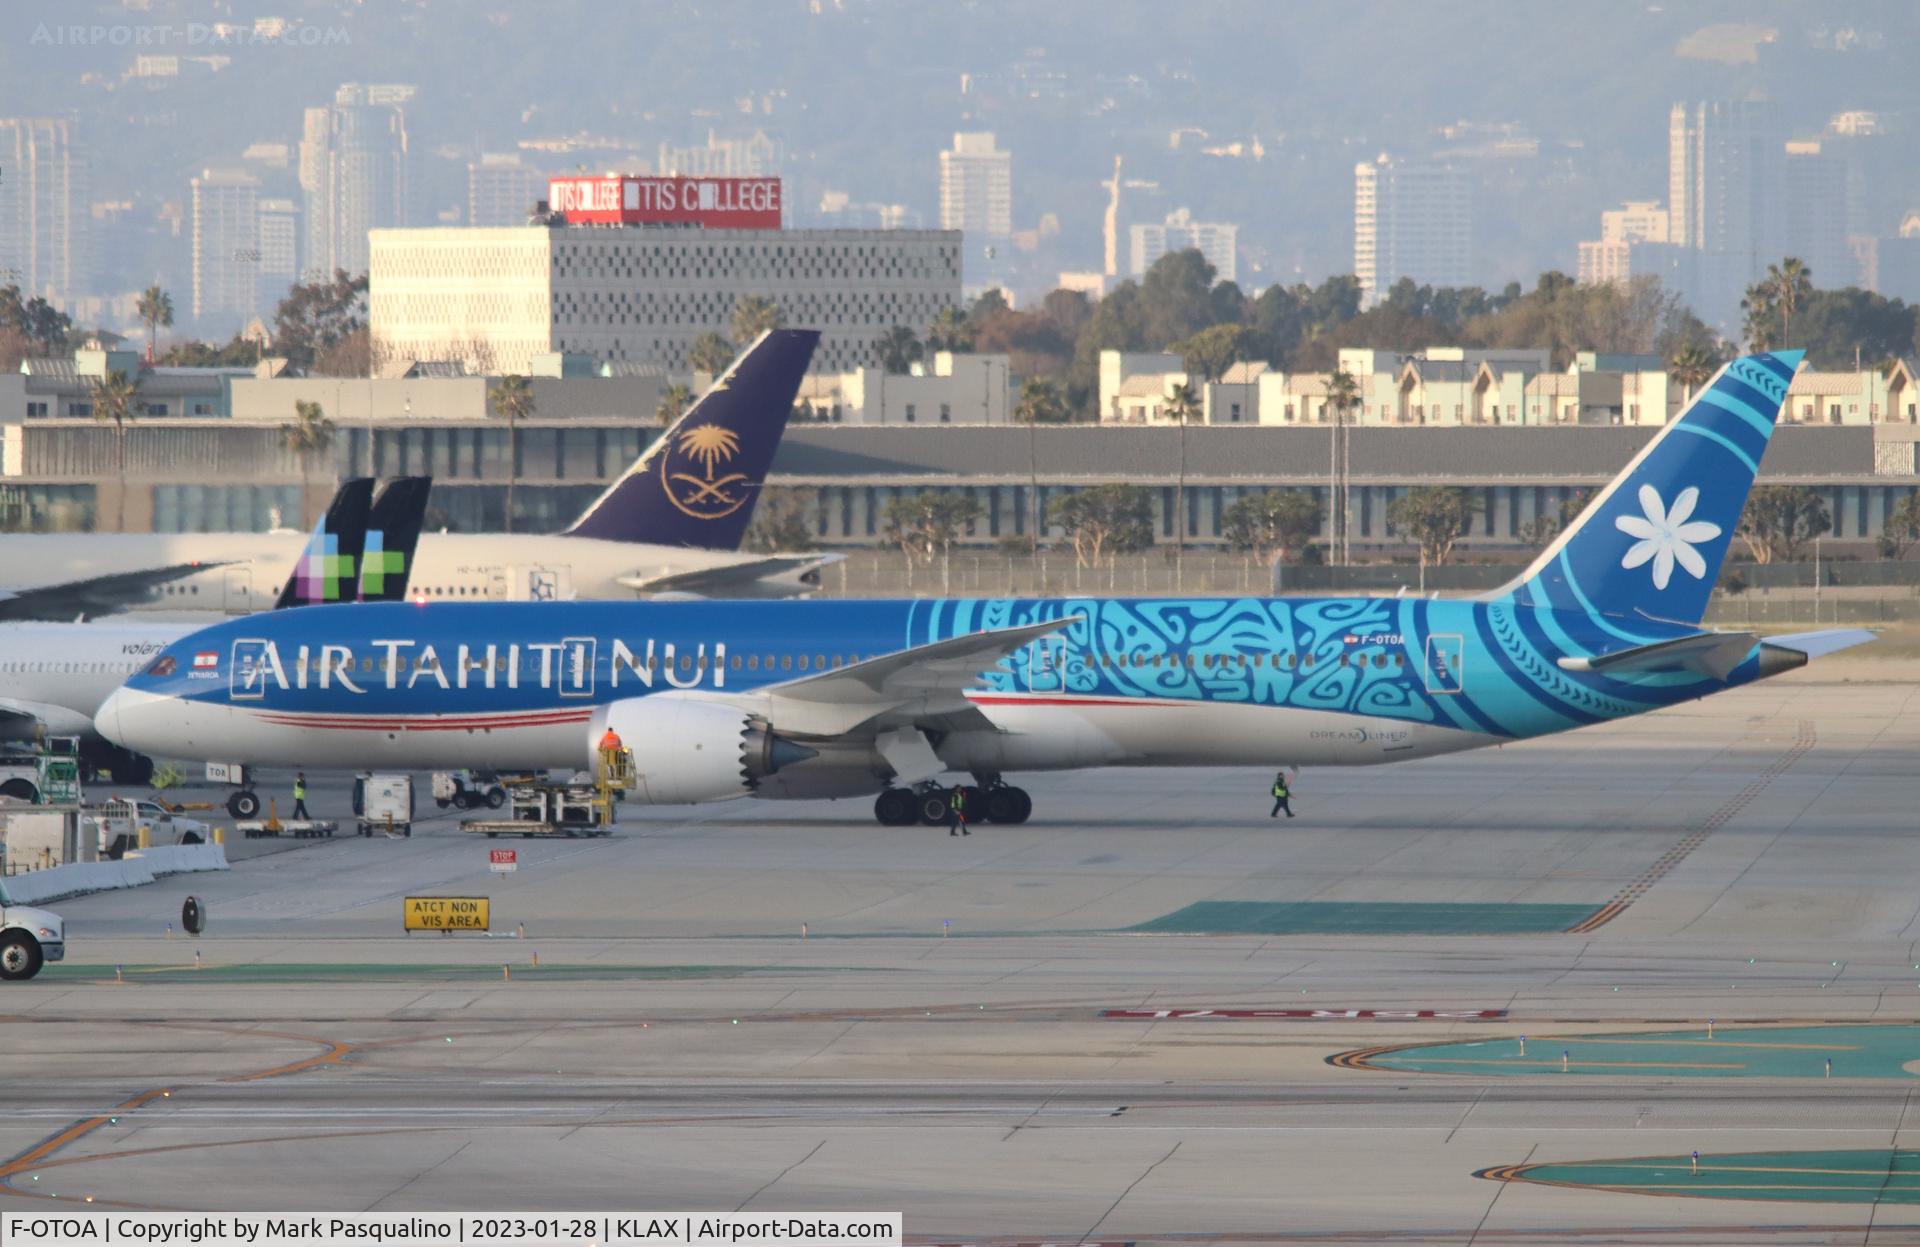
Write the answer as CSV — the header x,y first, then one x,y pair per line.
x,y
701,662
1307,662
653,662
786,662
736,662
1379,660
1400,660
686,662
803,662
753,662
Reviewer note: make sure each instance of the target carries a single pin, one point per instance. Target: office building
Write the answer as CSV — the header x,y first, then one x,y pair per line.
x,y
353,173
976,187
1411,219
44,212
502,190
226,249
279,266
1609,258
1725,204
753,157
1180,232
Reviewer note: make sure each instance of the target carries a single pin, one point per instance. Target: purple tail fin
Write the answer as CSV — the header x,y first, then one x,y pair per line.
x,y
329,567
696,485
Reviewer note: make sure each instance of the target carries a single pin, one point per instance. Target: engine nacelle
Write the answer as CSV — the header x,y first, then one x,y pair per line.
x,y
687,751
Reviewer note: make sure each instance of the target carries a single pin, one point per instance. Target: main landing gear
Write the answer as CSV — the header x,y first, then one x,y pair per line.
x,y
992,802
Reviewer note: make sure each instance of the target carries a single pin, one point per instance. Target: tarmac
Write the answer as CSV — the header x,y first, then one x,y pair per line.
x,y
1150,1015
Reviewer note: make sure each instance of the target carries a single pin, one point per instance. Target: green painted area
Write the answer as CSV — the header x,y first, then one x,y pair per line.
x,y
1872,1176
1364,918
300,973
1743,1052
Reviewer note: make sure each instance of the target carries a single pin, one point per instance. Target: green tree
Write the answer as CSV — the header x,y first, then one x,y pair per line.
x,y
113,399
190,354
1275,524
512,401
316,317
1183,407
310,433
1838,326
780,523
674,401
155,309
1433,517
950,331
1209,353
1902,529
753,315
925,525
1104,521
1780,520
1040,403
710,353
898,349
1692,366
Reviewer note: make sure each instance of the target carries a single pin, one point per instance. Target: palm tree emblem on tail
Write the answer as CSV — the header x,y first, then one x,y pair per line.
x,y
705,494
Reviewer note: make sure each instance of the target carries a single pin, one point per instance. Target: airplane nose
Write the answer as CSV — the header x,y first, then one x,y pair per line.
x,y
121,717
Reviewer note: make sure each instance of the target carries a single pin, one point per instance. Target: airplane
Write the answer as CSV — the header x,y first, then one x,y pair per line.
x,y
671,524
54,675
816,699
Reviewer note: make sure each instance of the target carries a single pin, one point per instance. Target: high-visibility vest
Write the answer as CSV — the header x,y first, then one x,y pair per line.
x,y
1279,787
299,790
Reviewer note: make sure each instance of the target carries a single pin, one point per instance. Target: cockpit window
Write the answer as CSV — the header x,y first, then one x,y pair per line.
x,y
163,665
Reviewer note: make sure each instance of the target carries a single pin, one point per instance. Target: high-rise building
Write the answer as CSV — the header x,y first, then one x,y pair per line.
x,y
1609,258
976,187
279,246
353,171
1411,219
44,212
226,246
502,190
1180,232
1814,190
755,157
1724,202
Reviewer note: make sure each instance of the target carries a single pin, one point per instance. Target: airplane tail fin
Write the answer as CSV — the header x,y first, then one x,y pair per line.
x,y
1651,543
327,569
697,483
393,530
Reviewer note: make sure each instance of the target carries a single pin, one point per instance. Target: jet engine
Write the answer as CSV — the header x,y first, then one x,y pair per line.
x,y
687,751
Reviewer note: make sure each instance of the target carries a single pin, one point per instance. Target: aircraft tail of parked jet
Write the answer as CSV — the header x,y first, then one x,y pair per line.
x,y
393,533
697,484
1650,545
328,570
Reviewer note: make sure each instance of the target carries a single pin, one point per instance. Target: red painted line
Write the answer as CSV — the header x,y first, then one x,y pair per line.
x,y
372,724
1312,1015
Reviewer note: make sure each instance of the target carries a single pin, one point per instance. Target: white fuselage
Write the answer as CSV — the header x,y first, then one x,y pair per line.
x,y
59,673
245,571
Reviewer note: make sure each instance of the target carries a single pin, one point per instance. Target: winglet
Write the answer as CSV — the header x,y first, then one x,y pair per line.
x,y
697,483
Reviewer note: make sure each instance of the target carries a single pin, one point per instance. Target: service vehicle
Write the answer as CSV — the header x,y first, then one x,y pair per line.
x,y
383,801
29,938
120,822
468,790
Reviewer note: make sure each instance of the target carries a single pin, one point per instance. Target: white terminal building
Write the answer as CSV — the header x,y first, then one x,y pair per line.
x,y
618,291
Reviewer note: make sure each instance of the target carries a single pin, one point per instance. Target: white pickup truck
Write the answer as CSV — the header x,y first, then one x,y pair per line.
x,y
121,820
29,938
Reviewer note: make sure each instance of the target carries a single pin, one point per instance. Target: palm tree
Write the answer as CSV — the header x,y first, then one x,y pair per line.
x,y
310,434
512,400
1183,405
1691,365
1343,395
898,350
674,401
753,315
950,331
155,307
710,353
1792,287
113,397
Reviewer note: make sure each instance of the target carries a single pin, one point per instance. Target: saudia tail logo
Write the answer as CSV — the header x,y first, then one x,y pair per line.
x,y
693,471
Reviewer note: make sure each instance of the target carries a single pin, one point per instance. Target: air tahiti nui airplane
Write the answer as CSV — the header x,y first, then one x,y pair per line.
x,y
808,699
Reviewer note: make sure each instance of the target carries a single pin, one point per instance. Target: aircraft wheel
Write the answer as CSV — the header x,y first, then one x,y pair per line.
x,y
895,807
20,956
244,804
931,806
1022,805
1000,805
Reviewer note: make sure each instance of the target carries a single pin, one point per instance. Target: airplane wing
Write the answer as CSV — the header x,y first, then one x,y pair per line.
x,y
921,682
101,595
730,579
1825,641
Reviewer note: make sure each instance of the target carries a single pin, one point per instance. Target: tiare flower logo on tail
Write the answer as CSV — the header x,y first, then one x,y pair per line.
x,y
1666,536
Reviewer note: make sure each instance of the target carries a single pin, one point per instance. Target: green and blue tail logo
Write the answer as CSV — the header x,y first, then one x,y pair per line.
x,y
393,533
328,569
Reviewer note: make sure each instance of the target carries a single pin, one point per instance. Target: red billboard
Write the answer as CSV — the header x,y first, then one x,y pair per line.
x,y
711,203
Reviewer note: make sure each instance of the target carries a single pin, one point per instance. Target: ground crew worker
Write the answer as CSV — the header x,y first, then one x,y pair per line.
x,y
611,743
1281,796
957,811
300,796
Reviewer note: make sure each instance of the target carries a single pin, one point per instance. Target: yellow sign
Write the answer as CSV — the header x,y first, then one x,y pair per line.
x,y
447,913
